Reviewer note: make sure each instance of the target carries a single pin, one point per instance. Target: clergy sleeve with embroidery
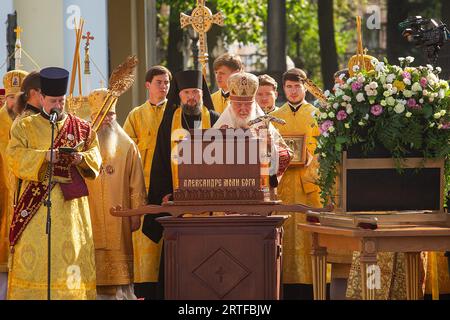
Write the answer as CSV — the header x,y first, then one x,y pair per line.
x,y
92,160
25,163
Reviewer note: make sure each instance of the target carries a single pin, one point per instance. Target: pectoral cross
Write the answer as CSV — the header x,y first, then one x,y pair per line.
x,y
87,60
201,21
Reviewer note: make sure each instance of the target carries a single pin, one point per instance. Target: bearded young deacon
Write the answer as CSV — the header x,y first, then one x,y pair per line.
x,y
189,107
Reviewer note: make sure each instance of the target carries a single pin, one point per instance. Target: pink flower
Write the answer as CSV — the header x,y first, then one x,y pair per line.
x,y
412,103
446,125
341,115
423,82
376,110
356,86
325,126
406,75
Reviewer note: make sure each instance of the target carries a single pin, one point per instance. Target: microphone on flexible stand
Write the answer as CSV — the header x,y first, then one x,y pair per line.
x,y
54,115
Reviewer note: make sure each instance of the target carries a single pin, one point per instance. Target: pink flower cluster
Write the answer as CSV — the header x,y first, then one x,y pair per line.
x,y
356,86
325,126
376,110
412,103
341,115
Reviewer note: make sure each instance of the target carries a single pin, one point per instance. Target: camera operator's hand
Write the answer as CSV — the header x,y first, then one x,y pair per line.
x,y
55,156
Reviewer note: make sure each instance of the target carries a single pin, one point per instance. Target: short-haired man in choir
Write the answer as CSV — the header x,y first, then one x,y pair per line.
x,y
224,66
267,93
142,126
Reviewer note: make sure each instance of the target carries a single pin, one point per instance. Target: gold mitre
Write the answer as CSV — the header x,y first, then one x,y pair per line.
x,y
243,86
96,100
12,81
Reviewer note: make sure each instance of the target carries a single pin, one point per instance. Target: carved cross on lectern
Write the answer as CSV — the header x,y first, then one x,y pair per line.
x,y
201,20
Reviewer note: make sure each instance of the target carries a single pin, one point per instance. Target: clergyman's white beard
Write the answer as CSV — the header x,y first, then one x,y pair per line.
x,y
108,138
240,123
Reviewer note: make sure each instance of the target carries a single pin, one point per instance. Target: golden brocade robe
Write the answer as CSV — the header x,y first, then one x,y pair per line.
x,y
142,126
297,186
220,103
5,189
121,183
73,259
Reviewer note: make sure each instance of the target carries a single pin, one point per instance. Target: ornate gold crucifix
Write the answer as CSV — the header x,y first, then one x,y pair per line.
x,y
18,48
87,60
202,20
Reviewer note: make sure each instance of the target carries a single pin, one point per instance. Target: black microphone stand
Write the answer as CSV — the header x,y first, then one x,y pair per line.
x,y
48,203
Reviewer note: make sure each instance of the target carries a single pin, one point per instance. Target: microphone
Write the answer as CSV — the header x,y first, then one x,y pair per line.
x,y
54,115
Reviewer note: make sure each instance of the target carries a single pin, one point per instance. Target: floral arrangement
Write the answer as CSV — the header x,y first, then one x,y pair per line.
x,y
402,108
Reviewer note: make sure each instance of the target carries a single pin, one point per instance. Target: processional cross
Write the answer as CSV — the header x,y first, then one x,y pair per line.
x,y
202,20
87,60
18,52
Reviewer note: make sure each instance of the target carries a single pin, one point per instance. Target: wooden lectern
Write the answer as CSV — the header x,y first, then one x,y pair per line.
x,y
234,257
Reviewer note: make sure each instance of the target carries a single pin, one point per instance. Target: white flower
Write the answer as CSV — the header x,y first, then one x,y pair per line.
x,y
432,125
437,115
379,67
408,114
331,129
327,93
323,115
389,86
430,67
399,108
355,68
421,100
410,59
440,126
416,87
346,98
349,109
387,93
444,84
335,105
402,101
443,112
441,94
324,155
407,81
338,93
383,103
383,79
343,104
390,78
331,114
390,101
374,62
425,93
360,97
347,126
361,79
361,123
431,99
401,59
373,85
366,117
438,69
407,93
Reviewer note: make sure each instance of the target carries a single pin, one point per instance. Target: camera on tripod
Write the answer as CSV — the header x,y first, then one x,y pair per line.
x,y
429,34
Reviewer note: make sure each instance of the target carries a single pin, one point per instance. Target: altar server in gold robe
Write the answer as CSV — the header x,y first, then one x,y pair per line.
x,y
121,183
142,126
224,66
267,93
298,185
12,82
72,248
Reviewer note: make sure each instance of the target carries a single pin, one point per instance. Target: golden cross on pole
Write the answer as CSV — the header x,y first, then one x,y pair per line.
x,y
18,31
201,20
